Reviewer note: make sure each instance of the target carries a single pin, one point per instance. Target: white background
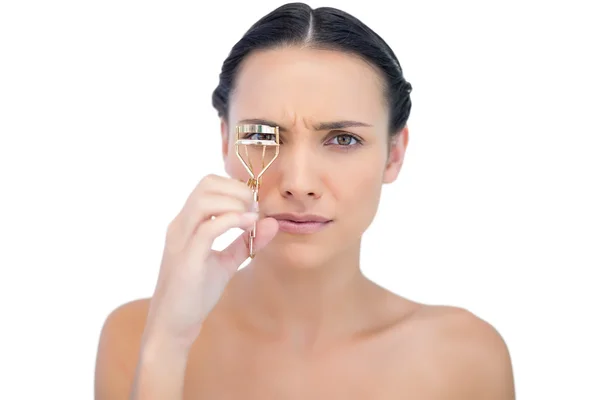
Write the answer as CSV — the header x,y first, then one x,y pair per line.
x,y
106,125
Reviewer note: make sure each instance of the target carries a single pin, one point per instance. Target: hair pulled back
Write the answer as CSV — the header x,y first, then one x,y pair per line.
x,y
324,28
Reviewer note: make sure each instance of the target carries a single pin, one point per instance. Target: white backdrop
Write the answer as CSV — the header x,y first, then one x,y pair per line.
x,y
106,125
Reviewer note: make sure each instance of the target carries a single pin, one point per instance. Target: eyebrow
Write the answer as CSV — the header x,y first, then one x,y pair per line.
x,y
323,126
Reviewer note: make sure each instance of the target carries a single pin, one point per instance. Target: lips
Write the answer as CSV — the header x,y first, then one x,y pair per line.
x,y
301,223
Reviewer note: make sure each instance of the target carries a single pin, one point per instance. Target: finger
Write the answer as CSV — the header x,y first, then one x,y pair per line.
x,y
237,252
211,185
211,205
216,184
208,231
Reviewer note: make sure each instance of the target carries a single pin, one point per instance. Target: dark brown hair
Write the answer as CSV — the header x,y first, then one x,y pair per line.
x,y
323,28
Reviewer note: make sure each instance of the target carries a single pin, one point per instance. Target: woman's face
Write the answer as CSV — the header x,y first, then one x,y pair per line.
x,y
332,171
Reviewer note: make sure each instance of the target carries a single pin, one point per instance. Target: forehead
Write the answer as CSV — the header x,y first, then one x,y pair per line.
x,y
288,84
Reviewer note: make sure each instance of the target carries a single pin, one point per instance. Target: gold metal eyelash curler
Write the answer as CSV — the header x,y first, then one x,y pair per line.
x,y
257,151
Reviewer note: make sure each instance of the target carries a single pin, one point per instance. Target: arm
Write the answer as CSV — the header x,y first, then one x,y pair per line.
x,y
137,364
160,373
117,352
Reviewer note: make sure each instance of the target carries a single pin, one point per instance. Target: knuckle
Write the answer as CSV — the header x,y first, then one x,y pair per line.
x,y
208,179
213,177
172,228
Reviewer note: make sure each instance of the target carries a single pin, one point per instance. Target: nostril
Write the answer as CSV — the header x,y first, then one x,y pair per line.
x,y
289,193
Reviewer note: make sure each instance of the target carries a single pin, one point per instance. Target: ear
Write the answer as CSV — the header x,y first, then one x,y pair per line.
x,y
397,149
224,139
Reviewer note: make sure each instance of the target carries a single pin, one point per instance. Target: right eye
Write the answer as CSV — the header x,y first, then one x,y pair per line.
x,y
261,136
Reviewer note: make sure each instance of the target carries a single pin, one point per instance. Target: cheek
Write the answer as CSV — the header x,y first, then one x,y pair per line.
x,y
365,193
363,202
359,185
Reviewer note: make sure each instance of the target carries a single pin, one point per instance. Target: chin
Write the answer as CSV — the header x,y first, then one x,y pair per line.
x,y
302,253
305,252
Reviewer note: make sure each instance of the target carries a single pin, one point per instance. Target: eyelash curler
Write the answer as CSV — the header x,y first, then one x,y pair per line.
x,y
256,150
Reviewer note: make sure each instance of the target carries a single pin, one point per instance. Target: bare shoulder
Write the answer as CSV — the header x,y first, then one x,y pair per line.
x,y
118,350
465,356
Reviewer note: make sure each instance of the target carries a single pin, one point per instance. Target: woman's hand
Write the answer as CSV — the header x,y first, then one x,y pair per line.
x,y
192,276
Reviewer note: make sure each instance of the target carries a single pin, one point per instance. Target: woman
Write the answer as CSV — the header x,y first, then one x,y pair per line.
x,y
300,321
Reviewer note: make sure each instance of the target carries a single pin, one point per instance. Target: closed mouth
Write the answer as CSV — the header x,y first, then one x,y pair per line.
x,y
301,218
300,224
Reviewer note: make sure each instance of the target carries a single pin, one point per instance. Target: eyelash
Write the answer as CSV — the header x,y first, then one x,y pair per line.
x,y
344,147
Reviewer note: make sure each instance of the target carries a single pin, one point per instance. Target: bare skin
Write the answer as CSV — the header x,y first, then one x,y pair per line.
x,y
408,350
301,321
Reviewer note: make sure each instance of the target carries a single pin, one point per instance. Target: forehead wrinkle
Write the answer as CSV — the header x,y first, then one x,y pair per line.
x,y
291,120
307,124
281,92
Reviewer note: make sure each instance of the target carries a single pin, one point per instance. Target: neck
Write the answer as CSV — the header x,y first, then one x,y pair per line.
x,y
305,304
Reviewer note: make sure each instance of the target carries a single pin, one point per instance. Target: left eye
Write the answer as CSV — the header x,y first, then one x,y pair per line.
x,y
345,140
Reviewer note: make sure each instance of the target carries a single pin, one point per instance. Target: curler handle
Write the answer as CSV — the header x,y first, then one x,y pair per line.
x,y
253,184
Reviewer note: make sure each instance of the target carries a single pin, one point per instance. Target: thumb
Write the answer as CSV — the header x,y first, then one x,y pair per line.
x,y
237,252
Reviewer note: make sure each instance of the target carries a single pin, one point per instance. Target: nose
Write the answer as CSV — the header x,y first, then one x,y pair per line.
x,y
299,174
